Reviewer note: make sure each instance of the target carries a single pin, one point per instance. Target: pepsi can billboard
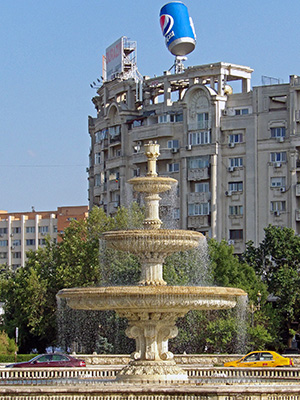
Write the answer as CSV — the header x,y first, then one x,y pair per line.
x,y
177,28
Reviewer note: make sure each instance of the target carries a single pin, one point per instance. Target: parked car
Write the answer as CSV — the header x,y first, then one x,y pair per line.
x,y
261,359
50,360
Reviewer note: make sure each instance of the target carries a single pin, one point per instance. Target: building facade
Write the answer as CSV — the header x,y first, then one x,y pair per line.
x,y
234,150
20,232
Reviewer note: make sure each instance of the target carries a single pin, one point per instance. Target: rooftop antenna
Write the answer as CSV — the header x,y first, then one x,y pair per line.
x,y
179,32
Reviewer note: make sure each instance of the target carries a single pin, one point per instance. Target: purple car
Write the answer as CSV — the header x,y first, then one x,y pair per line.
x,y
49,360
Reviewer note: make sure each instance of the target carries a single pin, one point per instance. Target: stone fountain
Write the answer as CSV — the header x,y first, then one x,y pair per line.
x,y
152,307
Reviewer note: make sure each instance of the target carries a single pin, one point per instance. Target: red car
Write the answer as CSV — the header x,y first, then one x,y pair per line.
x,y
49,360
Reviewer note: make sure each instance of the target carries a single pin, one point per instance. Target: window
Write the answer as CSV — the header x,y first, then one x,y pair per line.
x,y
43,229
16,242
3,255
114,130
30,242
278,132
278,181
202,187
97,179
278,157
199,209
176,213
54,229
16,229
235,162
199,162
174,167
241,111
101,135
3,243
178,117
277,206
16,254
235,138
235,186
30,229
42,242
236,234
173,144
199,138
236,210
3,231
162,119
97,158
202,121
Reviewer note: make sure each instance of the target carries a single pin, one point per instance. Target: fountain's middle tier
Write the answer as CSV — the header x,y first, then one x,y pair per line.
x,y
152,246
159,241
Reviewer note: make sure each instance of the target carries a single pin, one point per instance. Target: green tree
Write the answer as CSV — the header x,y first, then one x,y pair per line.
x,y
277,262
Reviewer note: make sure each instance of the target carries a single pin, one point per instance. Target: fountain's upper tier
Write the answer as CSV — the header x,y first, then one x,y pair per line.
x,y
152,184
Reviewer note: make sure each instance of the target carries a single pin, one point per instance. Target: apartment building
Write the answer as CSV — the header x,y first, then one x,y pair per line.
x,y
20,232
234,150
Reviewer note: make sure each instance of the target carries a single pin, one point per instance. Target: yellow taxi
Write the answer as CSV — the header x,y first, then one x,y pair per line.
x,y
261,359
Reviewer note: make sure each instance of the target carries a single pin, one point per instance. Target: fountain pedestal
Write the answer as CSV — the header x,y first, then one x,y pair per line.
x,y
152,359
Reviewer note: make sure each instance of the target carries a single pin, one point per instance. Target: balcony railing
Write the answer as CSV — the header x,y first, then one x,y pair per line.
x,y
201,125
198,174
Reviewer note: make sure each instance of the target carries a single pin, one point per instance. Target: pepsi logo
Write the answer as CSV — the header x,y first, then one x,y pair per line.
x,y
166,23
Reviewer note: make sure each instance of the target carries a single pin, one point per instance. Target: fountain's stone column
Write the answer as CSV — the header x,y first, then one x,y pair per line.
x,y
152,360
152,270
152,220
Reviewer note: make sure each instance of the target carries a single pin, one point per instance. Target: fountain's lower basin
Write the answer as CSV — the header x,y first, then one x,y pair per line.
x,y
152,298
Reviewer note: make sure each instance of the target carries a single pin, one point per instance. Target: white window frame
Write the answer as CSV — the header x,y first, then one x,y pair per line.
x,y
235,186
278,206
173,167
202,187
236,162
198,209
277,181
199,138
279,156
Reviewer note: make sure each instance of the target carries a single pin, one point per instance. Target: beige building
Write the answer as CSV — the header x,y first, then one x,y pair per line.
x,y
233,149
20,232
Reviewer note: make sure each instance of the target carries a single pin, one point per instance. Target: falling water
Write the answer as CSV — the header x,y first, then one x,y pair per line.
x,y
241,319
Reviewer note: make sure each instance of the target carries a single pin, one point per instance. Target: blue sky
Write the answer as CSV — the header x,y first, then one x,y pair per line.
x,y
51,50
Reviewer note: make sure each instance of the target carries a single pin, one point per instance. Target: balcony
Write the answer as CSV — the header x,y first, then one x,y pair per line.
x,y
114,185
198,221
297,215
199,197
199,126
113,207
198,174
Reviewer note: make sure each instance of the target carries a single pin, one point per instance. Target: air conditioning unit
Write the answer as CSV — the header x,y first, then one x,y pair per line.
x,y
1,235
139,143
277,165
276,213
280,139
11,235
224,112
231,144
228,193
174,150
231,169
283,189
230,242
189,147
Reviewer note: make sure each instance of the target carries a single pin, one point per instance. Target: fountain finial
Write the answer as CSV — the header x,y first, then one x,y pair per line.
x,y
152,153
